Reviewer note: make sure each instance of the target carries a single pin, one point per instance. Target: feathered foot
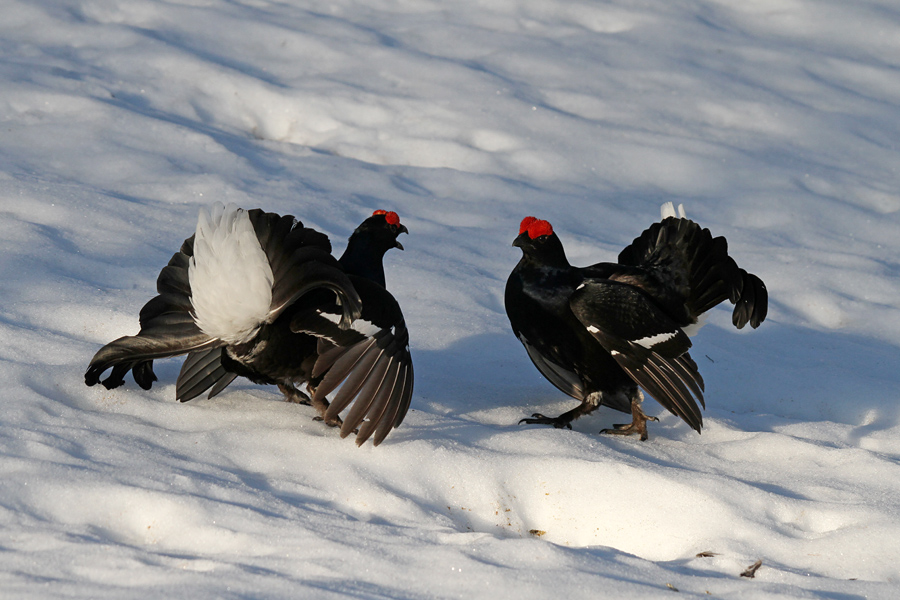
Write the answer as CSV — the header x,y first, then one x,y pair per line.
x,y
638,423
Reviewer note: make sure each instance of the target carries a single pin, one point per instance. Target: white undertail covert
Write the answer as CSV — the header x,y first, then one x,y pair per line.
x,y
668,210
230,276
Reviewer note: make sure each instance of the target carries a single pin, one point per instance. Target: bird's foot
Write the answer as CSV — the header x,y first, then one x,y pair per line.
x,y
539,419
298,398
638,425
293,395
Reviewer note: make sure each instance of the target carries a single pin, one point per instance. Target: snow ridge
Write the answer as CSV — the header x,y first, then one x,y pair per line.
x,y
231,279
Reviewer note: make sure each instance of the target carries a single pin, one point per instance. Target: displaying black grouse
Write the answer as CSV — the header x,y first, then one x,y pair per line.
x,y
259,295
599,332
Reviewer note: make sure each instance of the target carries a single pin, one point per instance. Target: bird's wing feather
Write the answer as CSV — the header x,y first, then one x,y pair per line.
x,y
646,343
564,379
369,363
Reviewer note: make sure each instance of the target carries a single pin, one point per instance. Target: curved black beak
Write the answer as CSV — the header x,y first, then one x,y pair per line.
x,y
520,241
401,229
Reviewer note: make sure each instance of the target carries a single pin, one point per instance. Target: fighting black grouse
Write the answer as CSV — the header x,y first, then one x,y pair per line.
x,y
258,295
599,332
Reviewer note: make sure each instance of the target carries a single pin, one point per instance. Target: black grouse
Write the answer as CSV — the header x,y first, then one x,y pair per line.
x,y
599,332
259,295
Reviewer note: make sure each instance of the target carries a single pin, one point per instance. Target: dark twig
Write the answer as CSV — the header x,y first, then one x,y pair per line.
x,y
752,569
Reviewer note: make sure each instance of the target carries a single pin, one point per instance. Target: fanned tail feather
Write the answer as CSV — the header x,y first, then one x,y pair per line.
x,y
751,302
301,261
136,352
167,329
699,267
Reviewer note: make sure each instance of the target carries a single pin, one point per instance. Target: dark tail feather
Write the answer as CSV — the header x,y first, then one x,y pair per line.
x,y
200,371
167,329
313,275
715,277
301,262
170,335
687,256
752,303
116,376
143,374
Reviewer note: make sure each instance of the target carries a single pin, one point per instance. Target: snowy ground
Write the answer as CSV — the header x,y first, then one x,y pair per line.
x,y
775,122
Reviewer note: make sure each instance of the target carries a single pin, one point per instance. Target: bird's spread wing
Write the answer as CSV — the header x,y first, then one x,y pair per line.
x,y
646,343
369,361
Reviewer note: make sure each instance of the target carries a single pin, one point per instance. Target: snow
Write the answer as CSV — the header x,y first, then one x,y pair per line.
x,y
774,123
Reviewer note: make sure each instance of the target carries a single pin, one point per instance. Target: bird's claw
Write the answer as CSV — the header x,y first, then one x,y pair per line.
x,y
539,419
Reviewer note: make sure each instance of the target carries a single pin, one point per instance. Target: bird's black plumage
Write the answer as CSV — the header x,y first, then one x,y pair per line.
x,y
598,333
331,324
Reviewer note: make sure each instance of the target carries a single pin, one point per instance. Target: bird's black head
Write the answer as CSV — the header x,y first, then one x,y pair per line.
x,y
381,231
368,244
539,243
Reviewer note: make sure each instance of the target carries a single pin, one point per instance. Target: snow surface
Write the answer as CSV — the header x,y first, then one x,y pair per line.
x,y
775,122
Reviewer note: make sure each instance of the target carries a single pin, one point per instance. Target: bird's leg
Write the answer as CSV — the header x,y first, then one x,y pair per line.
x,y
292,394
563,420
638,422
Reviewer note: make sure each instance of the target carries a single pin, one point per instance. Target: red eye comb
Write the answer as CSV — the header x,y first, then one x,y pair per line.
x,y
391,217
535,227
539,228
526,223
